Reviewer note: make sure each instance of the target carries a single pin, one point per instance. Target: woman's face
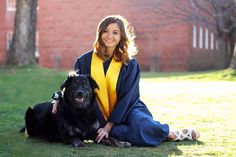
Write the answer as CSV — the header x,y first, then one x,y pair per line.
x,y
111,36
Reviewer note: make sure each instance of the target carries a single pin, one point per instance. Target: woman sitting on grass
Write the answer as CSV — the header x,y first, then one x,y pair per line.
x,y
122,114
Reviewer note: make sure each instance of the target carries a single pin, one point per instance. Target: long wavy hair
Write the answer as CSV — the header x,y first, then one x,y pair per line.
x,y
126,48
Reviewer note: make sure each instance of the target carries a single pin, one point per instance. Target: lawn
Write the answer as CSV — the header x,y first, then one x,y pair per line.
x,y
204,100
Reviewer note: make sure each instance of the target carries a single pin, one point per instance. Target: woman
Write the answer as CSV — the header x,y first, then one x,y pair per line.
x,y
121,112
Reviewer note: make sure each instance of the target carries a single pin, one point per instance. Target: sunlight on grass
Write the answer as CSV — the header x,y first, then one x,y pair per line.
x,y
207,106
220,75
203,100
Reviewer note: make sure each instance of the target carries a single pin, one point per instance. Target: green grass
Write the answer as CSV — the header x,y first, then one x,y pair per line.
x,y
220,75
205,100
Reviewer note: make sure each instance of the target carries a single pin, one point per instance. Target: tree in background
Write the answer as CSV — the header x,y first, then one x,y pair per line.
x,y
233,61
217,14
22,48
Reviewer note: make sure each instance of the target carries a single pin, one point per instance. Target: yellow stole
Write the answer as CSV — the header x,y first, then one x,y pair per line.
x,y
106,94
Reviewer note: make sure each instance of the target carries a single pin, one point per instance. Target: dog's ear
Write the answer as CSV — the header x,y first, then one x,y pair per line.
x,y
92,82
63,85
66,83
70,75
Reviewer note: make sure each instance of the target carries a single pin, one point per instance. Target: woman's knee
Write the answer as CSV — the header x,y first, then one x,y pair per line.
x,y
119,132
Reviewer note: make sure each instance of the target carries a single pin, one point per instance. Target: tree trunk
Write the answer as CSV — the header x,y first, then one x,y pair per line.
x,y
233,61
221,53
22,48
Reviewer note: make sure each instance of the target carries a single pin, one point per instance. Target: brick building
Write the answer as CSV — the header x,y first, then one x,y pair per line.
x,y
66,29
6,27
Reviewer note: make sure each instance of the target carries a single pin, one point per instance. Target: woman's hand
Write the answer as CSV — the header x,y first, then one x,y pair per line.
x,y
54,107
101,134
104,132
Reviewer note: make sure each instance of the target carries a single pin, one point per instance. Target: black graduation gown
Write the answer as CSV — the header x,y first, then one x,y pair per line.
x,y
132,120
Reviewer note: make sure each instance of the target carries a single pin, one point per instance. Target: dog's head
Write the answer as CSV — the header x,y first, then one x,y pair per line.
x,y
79,90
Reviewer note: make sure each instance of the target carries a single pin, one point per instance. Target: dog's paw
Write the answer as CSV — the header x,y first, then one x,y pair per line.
x,y
118,143
77,143
115,143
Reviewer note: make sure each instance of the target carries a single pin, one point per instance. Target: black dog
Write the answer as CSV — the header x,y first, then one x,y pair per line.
x,y
75,119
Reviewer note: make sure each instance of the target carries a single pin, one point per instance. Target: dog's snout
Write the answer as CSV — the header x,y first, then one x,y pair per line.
x,y
80,93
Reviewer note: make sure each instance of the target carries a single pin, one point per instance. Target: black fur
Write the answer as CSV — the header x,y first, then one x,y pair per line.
x,y
75,120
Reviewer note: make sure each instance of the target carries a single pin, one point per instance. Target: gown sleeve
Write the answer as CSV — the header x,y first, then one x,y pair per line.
x,y
128,95
77,66
82,64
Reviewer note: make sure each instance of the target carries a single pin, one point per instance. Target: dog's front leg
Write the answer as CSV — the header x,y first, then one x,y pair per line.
x,y
77,143
110,141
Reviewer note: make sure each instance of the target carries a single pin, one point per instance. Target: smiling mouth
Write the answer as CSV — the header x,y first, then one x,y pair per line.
x,y
108,41
79,100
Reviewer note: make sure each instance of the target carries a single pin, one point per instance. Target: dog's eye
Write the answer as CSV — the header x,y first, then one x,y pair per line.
x,y
86,86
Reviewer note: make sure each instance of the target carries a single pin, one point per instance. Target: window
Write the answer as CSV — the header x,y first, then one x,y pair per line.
x,y
206,38
194,36
212,41
37,45
11,5
200,38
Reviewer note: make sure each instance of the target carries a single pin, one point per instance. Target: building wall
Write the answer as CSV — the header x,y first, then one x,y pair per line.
x,y
6,25
2,30
66,29
205,56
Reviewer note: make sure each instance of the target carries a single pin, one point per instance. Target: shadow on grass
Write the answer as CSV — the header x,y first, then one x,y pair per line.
x,y
91,149
171,148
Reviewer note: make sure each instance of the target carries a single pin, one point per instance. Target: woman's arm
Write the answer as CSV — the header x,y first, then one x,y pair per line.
x,y
104,132
128,95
